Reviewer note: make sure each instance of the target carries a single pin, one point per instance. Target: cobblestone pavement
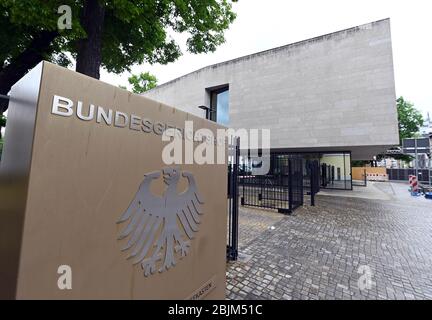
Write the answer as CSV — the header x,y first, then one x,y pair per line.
x,y
344,248
253,222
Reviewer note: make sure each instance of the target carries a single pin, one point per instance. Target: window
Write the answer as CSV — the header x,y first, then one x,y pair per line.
x,y
219,105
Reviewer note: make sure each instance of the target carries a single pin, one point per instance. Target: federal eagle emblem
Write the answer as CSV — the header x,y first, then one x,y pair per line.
x,y
160,227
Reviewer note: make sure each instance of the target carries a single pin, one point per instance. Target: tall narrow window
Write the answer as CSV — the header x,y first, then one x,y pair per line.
x,y
219,106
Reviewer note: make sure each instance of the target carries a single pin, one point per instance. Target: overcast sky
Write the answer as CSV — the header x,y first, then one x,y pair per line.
x,y
262,25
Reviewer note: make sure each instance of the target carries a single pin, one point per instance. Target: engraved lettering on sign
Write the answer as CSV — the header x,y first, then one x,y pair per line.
x,y
204,290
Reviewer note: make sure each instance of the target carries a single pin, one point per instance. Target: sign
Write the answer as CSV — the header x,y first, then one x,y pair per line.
x,y
88,208
422,145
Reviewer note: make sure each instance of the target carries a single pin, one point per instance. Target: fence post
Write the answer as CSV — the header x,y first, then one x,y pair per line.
x,y
232,248
229,180
244,181
290,191
235,200
312,183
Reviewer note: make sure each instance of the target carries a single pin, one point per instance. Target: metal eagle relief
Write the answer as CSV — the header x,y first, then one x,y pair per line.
x,y
159,228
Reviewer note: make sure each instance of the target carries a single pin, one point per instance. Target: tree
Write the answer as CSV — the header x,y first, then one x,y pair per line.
x,y
28,34
113,34
403,157
359,163
2,124
142,82
410,119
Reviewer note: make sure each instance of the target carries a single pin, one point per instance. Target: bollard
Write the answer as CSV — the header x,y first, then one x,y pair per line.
x,y
414,185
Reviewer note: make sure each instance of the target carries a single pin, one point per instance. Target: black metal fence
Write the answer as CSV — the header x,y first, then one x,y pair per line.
x,y
311,179
295,183
281,188
332,180
233,200
403,174
327,175
311,176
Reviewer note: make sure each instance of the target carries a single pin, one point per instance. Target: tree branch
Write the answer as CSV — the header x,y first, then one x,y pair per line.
x,y
35,52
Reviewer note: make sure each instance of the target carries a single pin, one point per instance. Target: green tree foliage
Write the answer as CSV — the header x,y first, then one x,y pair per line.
x,y
2,124
130,32
403,157
410,119
142,82
23,21
2,121
359,163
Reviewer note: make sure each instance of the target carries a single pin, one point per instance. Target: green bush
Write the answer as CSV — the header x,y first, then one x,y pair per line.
x,y
2,121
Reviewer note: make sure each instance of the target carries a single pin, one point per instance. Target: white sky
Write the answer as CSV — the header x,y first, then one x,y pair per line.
x,y
262,25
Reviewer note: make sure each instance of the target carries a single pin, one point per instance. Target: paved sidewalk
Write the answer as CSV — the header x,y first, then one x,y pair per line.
x,y
327,251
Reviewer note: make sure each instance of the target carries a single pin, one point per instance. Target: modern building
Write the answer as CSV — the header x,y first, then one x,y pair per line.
x,y
331,97
426,129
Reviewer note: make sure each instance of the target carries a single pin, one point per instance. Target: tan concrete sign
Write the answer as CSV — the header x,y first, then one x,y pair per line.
x,y
89,209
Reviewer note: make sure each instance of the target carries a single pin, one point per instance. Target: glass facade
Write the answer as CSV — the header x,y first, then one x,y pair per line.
x,y
335,168
219,106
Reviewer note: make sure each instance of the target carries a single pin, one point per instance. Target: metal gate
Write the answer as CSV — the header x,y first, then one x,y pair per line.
x,y
233,195
281,188
311,179
327,175
403,174
324,177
